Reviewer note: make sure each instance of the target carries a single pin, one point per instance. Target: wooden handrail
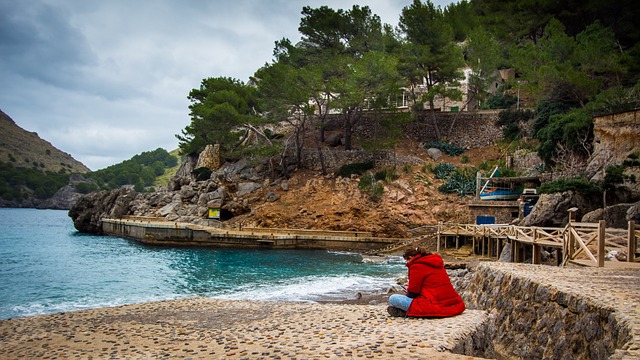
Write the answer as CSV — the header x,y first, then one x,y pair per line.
x,y
575,238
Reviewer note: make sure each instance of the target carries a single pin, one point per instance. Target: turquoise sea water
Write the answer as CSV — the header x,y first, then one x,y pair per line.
x,y
46,266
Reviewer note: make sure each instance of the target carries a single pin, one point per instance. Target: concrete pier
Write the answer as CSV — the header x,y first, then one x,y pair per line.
x,y
185,234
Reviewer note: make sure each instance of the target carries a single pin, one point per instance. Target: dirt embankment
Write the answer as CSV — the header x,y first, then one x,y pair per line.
x,y
313,201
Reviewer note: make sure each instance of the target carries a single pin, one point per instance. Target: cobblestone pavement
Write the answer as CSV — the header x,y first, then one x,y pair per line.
x,y
208,328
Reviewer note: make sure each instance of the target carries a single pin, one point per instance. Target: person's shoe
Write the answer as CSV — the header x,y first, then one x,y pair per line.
x,y
395,312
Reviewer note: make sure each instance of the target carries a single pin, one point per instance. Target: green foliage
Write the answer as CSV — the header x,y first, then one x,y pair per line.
x,y
632,160
387,174
578,184
406,168
16,183
373,188
499,101
462,18
446,148
141,170
354,168
218,109
510,120
86,187
461,182
444,170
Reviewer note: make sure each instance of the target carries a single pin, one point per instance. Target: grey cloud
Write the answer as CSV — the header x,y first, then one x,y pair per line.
x,y
36,41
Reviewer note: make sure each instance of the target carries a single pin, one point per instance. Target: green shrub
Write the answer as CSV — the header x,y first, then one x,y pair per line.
x,y
459,183
499,101
86,187
354,168
446,148
578,184
387,174
374,189
444,170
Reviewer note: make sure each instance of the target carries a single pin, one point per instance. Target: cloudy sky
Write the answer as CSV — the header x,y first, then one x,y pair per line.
x,y
106,80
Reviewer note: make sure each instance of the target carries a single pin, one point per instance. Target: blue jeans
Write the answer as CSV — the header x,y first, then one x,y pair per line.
x,y
400,301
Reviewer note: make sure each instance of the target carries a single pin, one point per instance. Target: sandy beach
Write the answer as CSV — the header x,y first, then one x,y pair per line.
x,y
203,328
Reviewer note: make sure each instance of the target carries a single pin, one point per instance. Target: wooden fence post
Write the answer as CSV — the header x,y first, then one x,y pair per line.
x,y
571,243
601,241
438,246
632,244
536,249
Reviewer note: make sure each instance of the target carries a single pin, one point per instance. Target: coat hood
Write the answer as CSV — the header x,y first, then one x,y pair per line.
x,y
431,260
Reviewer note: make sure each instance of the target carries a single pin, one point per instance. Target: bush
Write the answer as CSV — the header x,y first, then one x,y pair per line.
x,y
499,101
86,187
386,174
446,148
443,170
578,184
459,183
371,187
354,168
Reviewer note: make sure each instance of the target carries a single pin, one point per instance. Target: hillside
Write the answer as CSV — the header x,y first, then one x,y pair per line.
x,y
312,201
26,149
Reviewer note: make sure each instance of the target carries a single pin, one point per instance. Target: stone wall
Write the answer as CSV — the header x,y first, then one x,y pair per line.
x,y
334,159
535,320
471,130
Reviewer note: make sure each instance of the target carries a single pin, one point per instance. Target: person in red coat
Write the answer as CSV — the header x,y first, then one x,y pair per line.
x,y
429,292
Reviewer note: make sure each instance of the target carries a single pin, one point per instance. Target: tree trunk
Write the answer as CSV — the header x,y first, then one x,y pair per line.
x,y
434,120
347,129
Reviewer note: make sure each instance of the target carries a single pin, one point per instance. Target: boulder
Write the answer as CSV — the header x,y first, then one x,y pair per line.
x,y
245,188
434,153
209,157
334,140
271,197
87,212
552,209
614,216
633,213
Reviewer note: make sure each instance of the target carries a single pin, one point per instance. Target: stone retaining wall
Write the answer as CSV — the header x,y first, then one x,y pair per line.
x,y
535,320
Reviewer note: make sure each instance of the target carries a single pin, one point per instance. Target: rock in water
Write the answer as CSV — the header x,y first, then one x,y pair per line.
x,y
91,208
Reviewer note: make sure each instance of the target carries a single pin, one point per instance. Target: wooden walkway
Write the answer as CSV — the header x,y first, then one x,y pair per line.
x,y
577,243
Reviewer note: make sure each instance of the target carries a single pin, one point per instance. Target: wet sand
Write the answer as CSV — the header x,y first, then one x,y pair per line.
x,y
200,328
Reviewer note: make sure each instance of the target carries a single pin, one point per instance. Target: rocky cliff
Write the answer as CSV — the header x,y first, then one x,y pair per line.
x,y
249,197
616,137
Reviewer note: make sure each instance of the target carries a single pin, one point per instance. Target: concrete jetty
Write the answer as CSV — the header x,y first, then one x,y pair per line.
x,y
158,232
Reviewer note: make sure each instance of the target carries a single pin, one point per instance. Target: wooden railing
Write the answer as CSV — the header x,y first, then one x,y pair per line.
x,y
587,243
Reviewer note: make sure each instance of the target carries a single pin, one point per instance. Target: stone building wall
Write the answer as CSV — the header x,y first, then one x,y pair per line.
x,y
503,211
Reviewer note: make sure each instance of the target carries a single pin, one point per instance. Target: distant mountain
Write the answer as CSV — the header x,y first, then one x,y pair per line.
x,y
24,149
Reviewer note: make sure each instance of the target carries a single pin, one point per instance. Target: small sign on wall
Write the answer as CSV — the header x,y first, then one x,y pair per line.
x,y
214,213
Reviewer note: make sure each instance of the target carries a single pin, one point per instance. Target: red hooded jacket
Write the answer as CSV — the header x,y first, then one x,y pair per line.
x,y
436,296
